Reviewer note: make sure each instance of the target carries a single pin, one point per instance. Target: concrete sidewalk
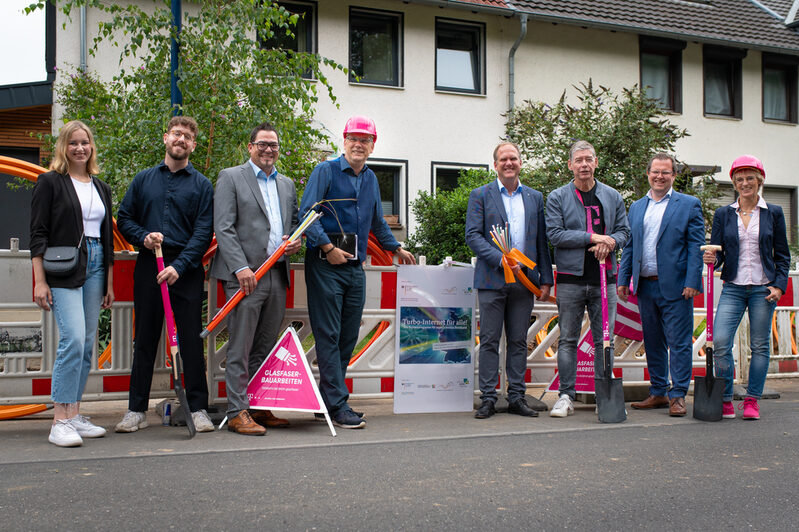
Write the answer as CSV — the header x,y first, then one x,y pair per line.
x,y
25,439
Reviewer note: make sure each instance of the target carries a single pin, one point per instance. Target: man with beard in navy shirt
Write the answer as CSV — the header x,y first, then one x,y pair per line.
x,y
169,205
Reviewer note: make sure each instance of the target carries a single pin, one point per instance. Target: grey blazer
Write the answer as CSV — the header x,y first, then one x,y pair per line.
x,y
241,222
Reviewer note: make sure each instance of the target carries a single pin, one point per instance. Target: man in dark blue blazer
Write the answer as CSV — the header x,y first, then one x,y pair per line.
x,y
503,201
665,263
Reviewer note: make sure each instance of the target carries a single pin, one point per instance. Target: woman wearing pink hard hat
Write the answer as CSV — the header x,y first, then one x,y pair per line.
x,y
754,261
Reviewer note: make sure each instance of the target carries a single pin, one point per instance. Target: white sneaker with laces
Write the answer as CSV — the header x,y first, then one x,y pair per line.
x,y
201,421
86,428
563,407
63,434
132,422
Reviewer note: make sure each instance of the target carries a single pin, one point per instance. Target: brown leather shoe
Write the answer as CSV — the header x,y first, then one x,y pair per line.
x,y
677,407
653,401
266,418
243,424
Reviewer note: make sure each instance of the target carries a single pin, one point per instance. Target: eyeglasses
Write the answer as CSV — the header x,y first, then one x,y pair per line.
x,y
359,140
658,173
263,145
177,134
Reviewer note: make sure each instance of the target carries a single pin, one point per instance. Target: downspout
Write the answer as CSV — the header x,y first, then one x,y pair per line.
x,y
175,95
83,64
512,60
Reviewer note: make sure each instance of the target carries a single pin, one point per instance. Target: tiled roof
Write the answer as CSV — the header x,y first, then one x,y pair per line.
x,y
732,22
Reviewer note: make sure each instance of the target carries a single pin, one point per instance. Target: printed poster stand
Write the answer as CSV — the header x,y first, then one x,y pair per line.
x,y
285,382
434,347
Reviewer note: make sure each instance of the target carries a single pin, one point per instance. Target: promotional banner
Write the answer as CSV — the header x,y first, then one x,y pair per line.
x,y
434,362
285,382
585,367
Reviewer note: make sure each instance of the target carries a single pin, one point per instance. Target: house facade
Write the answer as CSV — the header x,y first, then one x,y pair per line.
x,y
437,75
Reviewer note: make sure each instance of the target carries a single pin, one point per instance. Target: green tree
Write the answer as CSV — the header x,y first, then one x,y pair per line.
x,y
626,129
441,219
229,83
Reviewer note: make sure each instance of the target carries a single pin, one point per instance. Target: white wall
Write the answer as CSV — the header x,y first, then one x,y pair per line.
x,y
418,124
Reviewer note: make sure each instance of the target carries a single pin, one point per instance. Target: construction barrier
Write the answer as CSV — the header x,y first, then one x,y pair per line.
x,y
25,376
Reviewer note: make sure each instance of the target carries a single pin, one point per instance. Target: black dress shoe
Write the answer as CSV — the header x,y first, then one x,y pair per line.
x,y
486,410
520,407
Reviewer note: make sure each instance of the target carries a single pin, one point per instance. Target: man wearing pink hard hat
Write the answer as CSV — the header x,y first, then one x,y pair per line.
x,y
754,261
346,191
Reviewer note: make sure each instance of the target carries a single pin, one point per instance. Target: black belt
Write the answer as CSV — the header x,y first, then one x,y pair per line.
x,y
650,278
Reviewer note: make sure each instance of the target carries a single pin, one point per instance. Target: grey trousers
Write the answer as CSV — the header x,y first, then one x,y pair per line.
x,y
510,306
253,325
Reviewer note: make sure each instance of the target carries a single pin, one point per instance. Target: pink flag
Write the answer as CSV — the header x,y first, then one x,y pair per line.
x,y
628,319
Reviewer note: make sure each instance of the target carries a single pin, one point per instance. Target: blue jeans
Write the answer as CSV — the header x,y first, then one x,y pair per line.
x,y
734,300
573,299
76,312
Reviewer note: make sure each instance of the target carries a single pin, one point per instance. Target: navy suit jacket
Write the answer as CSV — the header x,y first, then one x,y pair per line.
x,y
774,253
679,259
486,210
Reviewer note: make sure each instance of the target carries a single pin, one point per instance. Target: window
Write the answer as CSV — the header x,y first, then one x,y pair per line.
x,y
304,33
390,178
445,175
779,88
722,75
376,47
460,56
661,71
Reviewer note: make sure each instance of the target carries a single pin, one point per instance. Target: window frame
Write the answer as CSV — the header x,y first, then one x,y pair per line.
x,y
398,47
400,190
312,39
789,65
463,25
435,165
672,49
733,59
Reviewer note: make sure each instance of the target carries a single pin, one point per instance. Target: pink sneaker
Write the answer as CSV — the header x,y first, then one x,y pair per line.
x,y
751,409
727,410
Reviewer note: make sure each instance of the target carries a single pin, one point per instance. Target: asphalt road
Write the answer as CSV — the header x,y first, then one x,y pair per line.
x,y
424,472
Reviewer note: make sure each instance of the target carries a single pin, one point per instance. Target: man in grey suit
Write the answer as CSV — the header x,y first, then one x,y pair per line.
x,y
255,209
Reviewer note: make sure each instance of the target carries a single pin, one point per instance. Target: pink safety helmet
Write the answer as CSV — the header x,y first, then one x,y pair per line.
x,y
747,161
361,124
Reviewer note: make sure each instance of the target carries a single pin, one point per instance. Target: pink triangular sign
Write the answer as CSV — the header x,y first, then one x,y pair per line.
x,y
284,381
585,367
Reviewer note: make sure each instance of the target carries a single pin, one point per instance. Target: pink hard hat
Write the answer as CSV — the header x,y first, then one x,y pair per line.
x,y
747,161
361,124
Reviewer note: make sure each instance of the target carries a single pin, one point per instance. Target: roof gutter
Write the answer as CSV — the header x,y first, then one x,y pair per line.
x,y
512,61
466,6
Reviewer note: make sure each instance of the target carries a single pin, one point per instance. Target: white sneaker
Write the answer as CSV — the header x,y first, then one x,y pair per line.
x,y
563,407
63,434
132,422
86,428
201,421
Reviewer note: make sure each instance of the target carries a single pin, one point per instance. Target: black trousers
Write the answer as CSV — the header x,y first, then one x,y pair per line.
x,y
186,296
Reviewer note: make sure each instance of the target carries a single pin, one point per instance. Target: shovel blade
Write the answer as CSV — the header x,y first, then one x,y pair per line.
x,y
708,393
610,400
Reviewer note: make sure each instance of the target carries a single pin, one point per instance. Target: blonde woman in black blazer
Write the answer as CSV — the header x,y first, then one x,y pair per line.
x,y
71,207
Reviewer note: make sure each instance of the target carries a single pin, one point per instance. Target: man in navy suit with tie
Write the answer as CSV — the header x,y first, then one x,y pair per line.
x,y
665,263
503,201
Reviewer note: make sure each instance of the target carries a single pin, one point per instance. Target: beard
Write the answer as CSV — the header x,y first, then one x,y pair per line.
x,y
177,155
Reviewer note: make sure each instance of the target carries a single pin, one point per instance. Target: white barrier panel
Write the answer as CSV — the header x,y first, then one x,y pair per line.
x,y
25,376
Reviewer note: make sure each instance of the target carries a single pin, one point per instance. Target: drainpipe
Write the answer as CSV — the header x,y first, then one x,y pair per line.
x,y
511,61
83,64
175,94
